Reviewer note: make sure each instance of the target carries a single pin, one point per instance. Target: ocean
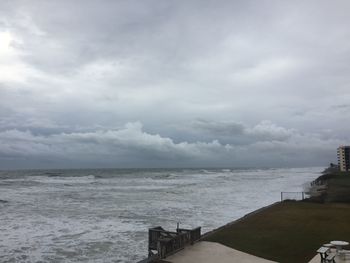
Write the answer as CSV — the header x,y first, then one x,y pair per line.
x,y
103,215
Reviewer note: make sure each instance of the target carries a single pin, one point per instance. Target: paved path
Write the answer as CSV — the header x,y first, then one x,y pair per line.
x,y
315,259
209,252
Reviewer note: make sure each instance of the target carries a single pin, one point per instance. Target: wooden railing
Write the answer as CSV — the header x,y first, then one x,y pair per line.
x,y
153,237
168,246
167,243
194,234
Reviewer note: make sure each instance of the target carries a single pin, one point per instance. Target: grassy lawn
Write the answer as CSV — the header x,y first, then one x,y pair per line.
x,y
289,231
339,188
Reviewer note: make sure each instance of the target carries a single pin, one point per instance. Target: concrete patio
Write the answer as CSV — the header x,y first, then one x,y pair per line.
x,y
209,252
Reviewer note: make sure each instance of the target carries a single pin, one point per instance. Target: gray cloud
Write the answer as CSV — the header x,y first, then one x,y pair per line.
x,y
212,78
219,128
264,131
117,145
131,142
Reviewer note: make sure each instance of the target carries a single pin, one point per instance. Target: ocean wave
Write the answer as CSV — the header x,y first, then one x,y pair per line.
x,y
104,215
62,179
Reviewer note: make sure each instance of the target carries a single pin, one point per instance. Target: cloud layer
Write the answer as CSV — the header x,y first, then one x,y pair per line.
x,y
162,83
263,145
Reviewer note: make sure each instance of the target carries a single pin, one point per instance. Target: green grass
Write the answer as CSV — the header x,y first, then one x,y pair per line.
x,y
291,232
288,232
339,188
341,173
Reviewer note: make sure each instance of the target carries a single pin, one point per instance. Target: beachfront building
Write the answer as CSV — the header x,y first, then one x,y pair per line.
x,y
344,158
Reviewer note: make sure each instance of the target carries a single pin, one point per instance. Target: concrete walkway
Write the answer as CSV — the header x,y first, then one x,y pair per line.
x,y
209,252
315,259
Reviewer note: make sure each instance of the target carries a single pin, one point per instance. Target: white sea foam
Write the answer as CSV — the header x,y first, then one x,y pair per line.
x,y
104,215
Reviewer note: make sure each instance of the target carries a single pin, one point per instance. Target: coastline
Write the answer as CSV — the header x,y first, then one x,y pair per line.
x,y
324,176
195,198
259,232
223,227
304,225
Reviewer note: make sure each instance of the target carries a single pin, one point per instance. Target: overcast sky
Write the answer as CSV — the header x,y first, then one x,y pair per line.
x,y
161,83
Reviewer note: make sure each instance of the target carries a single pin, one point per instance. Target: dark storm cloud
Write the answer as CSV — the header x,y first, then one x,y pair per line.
x,y
173,83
